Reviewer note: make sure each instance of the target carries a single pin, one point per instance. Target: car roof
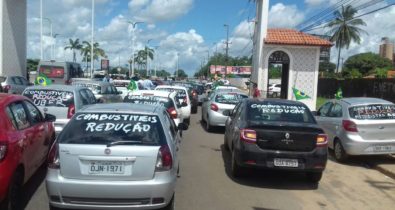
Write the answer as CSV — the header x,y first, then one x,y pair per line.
x,y
55,87
153,92
230,92
171,86
364,100
101,83
6,98
122,108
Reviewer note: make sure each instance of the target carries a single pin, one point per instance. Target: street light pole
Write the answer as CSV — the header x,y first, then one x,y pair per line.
x,y
178,60
54,46
208,66
227,48
92,36
41,30
133,38
146,54
50,25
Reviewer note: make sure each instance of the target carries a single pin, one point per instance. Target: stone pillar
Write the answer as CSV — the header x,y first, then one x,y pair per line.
x,y
13,21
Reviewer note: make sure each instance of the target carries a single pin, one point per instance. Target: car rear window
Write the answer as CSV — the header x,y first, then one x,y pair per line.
x,y
50,98
93,87
229,98
373,112
149,99
106,128
181,94
278,111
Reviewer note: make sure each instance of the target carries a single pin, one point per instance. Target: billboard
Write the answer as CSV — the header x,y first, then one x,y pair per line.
x,y
237,70
105,64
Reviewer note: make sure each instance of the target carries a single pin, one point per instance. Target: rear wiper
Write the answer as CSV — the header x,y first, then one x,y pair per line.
x,y
128,142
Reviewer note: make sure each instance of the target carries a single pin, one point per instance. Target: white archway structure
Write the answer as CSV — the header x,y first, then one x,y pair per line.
x,y
13,36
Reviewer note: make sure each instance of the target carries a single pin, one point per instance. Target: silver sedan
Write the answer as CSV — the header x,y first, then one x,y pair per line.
x,y
358,126
214,106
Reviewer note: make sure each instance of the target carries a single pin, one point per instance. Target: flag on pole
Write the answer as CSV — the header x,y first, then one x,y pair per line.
x,y
42,80
132,85
299,95
339,93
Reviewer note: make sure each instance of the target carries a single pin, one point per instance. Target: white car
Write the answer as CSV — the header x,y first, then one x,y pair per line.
x,y
227,87
183,97
160,98
274,90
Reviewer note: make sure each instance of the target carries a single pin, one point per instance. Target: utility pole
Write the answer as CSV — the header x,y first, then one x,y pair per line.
x,y
146,53
92,36
208,66
227,48
133,38
178,60
41,30
51,31
54,46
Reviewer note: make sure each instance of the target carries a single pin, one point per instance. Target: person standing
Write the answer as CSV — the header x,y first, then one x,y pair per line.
x,y
255,91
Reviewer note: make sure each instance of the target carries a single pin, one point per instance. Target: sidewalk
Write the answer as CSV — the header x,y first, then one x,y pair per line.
x,y
384,164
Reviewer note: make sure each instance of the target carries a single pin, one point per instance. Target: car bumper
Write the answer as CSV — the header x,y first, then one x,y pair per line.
x,y
216,118
92,194
250,155
353,144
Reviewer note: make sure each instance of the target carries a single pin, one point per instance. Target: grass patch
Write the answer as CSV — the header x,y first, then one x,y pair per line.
x,y
320,102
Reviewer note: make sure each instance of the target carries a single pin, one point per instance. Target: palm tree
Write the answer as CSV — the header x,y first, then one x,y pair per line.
x,y
141,57
86,52
74,45
344,29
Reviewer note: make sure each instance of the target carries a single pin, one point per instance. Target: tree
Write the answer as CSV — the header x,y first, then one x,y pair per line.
x,y
366,63
352,74
32,64
141,57
162,73
180,74
344,29
74,45
86,52
327,66
381,73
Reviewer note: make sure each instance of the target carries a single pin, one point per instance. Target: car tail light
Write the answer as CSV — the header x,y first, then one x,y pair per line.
x,y
164,162
3,150
248,135
214,107
350,126
71,111
172,112
322,140
7,88
53,157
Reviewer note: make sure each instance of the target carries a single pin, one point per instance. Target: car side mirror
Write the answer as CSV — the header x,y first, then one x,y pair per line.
x,y
184,104
227,113
50,118
183,126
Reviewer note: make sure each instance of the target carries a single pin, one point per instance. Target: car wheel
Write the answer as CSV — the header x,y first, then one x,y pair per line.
x,y
187,121
314,177
202,120
236,169
226,143
209,128
340,153
170,206
12,201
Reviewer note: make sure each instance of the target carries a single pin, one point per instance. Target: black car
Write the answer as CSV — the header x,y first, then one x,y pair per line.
x,y
275,134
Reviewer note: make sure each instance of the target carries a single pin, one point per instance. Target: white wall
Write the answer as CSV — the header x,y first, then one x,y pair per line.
x,y
13,20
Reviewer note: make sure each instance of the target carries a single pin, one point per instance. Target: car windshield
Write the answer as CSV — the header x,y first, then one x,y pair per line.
x,y
105,128
50,98
229,98
373,112
149,99
279,111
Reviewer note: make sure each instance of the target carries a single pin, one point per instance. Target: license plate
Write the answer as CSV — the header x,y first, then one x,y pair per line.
x,y
286,162
106,167
385,148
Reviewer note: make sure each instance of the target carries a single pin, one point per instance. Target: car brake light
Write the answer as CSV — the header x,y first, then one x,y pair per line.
x,y
350,126
172,112
248,135
7,88
53,157
3,150
164,161
214,107
322,140
71,111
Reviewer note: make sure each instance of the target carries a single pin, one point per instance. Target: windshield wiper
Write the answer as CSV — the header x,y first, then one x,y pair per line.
x,y
128,142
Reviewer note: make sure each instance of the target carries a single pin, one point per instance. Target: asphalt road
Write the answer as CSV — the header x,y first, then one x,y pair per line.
x,y
205,182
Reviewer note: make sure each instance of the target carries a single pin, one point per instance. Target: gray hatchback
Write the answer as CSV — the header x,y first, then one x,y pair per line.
x,y
115,156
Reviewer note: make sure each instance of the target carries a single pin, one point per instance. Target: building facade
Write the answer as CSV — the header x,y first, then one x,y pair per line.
x,y
13,24
387,49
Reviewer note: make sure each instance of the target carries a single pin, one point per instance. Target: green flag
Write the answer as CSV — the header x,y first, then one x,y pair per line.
x,y
339,93
42,80
299,95
132,85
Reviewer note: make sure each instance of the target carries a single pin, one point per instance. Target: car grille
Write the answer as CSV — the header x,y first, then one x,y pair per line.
x,y
107,201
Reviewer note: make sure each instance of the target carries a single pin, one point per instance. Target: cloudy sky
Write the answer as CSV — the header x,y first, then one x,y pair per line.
x,y
191,28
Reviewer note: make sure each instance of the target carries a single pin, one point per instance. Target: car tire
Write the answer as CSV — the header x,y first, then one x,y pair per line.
x,y
314,177
236,169
339,152
209,128
170,206
226,143
187,121
202,120
14,195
